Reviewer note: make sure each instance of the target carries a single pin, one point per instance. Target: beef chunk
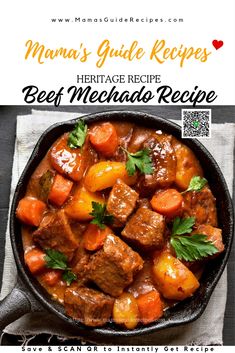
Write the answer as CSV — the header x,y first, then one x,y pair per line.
x,y
78,228
213,234
121,201
55,232
112,268
164,163
200,205
79,264
139,136
89,306
145,229
143,282
145,203
124,132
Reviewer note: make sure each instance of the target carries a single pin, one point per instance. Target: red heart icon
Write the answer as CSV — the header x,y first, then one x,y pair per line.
x,y
217,44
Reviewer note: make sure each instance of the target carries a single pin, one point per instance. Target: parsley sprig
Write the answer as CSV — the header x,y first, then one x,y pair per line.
x,y
78,135
55,260
193,247
69,277
58,261
101,217
196,184
140,160
182,226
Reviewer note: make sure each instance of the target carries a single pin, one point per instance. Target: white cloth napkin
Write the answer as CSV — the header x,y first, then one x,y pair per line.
x,y
204,331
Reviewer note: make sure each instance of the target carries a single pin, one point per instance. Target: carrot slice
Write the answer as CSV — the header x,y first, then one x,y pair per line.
x,y
51,277
30,211
150,307
66,160
60,190
167,202
104,138
35,260
94,237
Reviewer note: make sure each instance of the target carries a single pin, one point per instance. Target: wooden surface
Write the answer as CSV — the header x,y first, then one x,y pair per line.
x,y
7,139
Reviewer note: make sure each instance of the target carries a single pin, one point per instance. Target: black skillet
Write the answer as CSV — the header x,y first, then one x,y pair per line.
x,y
22,299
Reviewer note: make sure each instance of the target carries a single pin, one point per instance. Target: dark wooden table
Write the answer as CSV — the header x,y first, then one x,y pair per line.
x,y
8,115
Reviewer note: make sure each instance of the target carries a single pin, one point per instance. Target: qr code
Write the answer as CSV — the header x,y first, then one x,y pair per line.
x,y
196,123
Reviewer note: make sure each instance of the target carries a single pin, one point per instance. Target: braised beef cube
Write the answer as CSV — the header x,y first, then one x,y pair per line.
x,y
200,205
55,233
121,201
145,203
213,234
139,136
146,229
164,163
117,224
143,282
89,306
113,267
124,132
91,155
78,228
79,264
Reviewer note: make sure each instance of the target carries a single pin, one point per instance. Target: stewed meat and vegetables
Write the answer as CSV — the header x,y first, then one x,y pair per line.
x,y
118,223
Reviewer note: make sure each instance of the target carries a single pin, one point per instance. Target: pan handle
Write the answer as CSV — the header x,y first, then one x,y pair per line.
x,y
16,304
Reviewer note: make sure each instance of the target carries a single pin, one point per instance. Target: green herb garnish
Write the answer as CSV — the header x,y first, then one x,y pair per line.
x,y
101,217
58,261
182,225
140,160
78,135
193,247
69,277
196,184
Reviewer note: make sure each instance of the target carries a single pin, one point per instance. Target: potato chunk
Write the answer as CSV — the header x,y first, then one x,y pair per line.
x,y
81,205
187,165
125,311
104,175
173,279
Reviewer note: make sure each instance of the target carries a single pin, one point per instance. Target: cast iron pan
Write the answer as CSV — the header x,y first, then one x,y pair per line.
x,y
22,299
